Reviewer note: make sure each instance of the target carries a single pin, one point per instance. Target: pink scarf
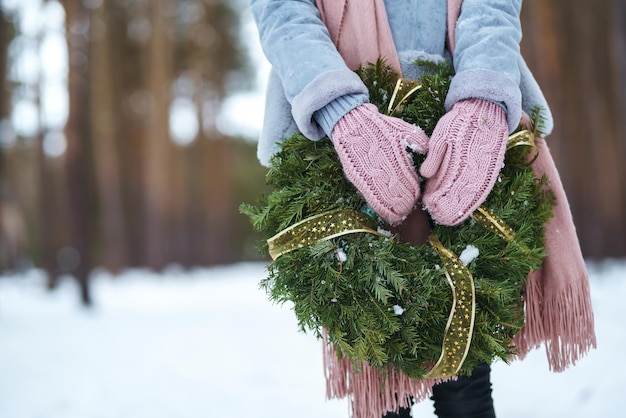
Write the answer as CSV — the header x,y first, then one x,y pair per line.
x,y
558,304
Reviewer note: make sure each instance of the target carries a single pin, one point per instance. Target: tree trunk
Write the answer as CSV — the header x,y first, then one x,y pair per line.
x,y
103,133
220,209
78,153
158,142
571,49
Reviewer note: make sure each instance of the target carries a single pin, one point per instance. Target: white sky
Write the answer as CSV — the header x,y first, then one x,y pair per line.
x,y
251,103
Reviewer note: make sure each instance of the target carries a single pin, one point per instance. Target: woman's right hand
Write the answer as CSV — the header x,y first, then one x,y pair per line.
x,y
372,150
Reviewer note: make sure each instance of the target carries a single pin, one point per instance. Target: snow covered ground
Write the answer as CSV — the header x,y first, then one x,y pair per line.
x,y
207,343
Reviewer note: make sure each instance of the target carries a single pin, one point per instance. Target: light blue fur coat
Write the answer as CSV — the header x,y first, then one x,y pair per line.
x,y
311,88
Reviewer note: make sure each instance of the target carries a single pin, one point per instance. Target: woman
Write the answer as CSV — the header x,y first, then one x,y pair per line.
x,y
314,46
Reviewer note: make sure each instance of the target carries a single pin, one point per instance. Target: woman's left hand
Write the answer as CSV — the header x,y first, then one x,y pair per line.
x,y
466,154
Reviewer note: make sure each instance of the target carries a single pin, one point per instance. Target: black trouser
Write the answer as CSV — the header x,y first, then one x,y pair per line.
x,y
466,397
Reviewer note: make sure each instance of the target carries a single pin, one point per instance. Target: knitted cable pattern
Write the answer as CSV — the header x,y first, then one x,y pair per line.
x,y
372,151
466,154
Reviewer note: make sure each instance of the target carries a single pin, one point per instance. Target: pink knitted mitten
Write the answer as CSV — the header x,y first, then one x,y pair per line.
x,y
466,154
372,151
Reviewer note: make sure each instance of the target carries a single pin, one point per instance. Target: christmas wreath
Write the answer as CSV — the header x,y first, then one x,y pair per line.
x,y
433,310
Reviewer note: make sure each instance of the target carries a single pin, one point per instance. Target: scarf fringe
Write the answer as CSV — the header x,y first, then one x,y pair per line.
x,y
531,334
395,390
564,321
569,336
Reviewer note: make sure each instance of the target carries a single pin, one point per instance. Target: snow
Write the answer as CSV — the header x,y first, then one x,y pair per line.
x,y
469,254
208,343
341,255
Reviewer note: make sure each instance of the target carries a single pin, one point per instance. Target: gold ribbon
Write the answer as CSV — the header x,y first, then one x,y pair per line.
x,y
458,333
523,137
405,88
460,326
486,217
321,227
492,222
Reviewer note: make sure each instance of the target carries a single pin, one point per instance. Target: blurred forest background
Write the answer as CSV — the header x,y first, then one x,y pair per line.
x,y
112,154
